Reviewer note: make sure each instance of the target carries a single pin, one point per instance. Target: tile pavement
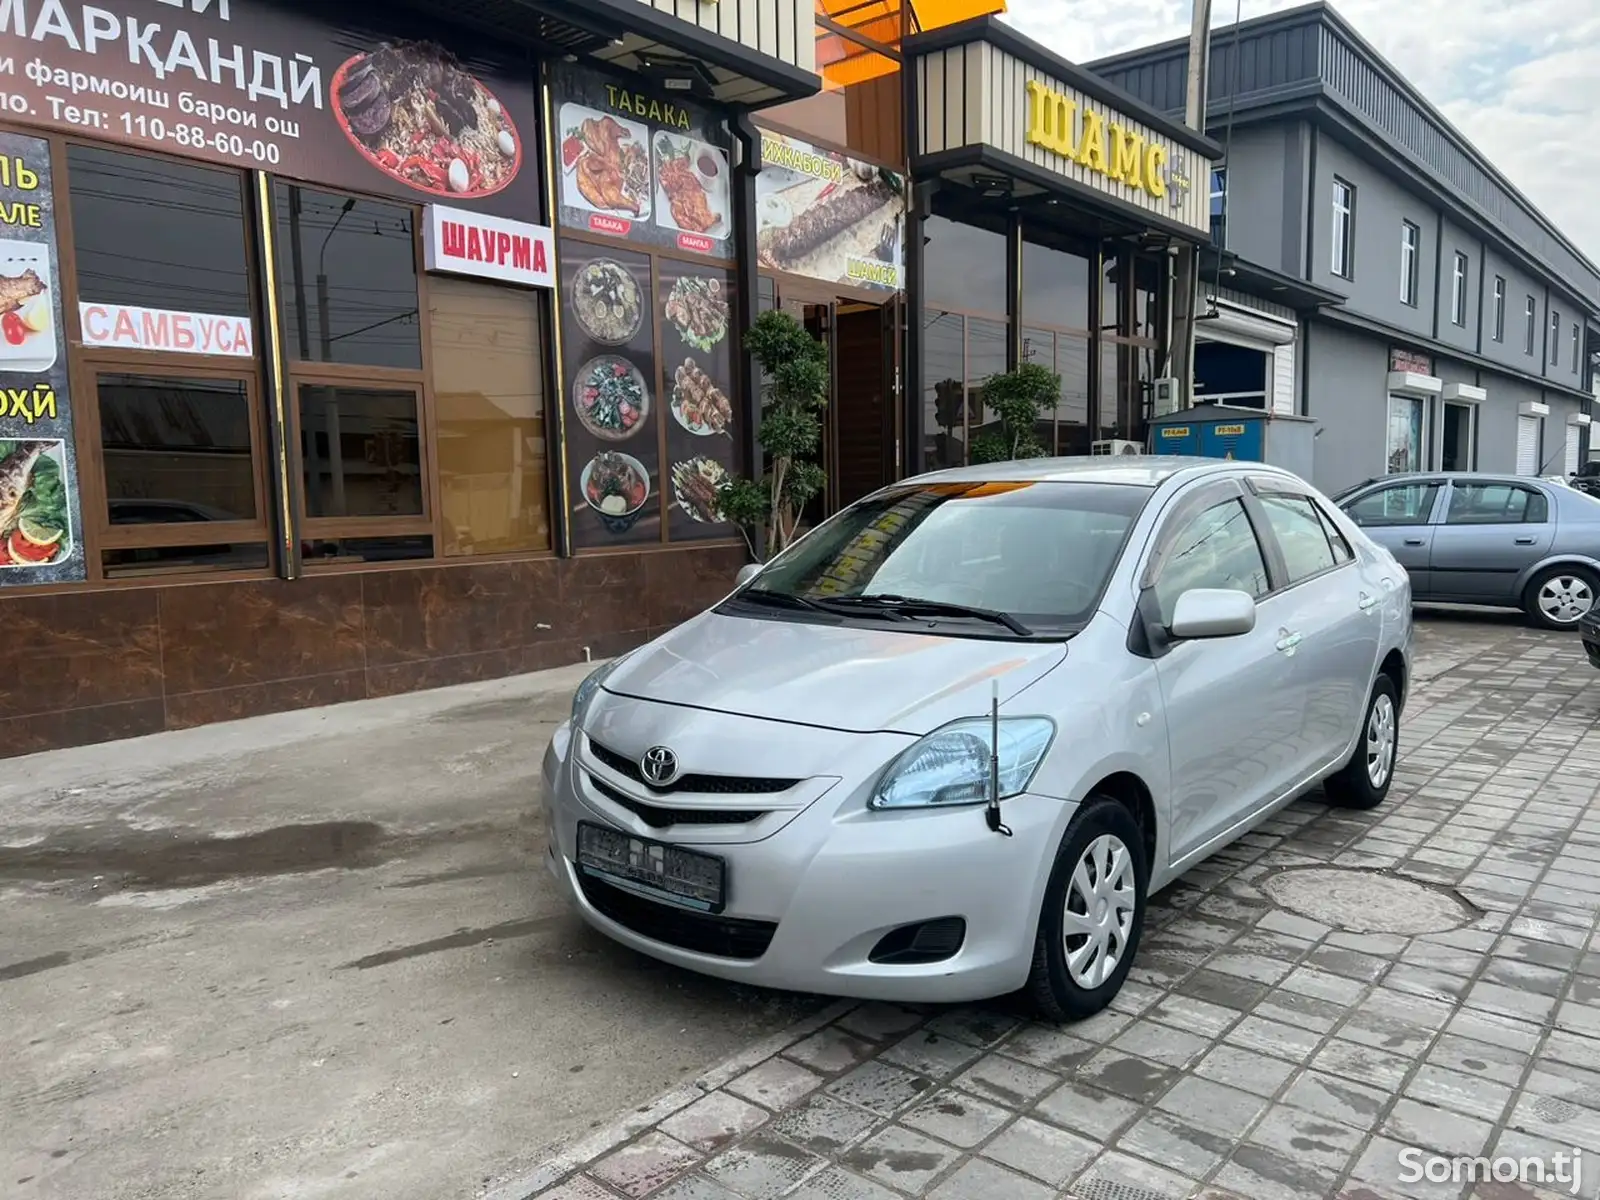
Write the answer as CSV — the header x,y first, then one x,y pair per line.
x,y
1254,1054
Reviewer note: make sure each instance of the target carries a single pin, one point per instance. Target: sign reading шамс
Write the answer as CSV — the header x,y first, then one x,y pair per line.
x,y
1058,123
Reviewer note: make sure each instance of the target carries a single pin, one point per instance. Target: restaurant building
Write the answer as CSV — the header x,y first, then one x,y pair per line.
x,y
350,354
1405,296
355,349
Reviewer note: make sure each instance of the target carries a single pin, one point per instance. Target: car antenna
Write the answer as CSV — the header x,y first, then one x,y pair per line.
x,y
992,812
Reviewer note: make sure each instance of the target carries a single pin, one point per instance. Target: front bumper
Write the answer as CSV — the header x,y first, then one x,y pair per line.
x,y
808,903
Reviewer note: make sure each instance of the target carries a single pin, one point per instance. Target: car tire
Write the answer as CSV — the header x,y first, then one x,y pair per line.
x,y
1550,587
1065,984
1364,781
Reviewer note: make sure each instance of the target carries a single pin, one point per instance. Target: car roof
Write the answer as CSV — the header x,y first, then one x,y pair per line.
x,y
1138,470
1451,476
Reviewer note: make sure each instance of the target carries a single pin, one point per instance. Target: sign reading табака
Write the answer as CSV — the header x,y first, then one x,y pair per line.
x,y
1058,123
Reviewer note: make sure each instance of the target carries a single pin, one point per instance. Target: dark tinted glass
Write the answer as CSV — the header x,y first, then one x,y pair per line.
x,y
1402,504
349,279
1055,287
1216,549
176,450
964,267
943,378
1041,551
158,234
1496,504
362,454
329,551
242,556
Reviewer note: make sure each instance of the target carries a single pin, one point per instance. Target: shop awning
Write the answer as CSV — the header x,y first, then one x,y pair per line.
x,y
843,61
1226,269
637,35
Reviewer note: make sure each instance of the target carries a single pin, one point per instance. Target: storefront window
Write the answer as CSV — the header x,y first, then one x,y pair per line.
x,y
154,234
349,279
176,451
362,451
1072,413
1055,288
1407,430
964,267
944,376
986,356
489,404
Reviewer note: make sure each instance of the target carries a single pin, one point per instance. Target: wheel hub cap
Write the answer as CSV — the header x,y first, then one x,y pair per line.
x,y
1566,598
1380,741
1100,909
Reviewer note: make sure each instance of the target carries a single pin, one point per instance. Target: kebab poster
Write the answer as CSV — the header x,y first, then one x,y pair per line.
x,y
828,217
641,166
38,461
697,382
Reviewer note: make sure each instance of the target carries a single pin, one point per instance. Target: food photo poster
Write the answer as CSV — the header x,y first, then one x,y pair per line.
x,y
697,380
641,166
610,390
40,519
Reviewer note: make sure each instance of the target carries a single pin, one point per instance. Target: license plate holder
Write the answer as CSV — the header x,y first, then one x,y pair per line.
x,y
656,870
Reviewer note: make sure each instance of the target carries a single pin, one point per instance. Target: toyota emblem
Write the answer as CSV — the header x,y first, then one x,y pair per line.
x,y
659,766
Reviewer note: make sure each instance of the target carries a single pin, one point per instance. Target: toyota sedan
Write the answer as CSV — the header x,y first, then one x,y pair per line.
x,y
946,745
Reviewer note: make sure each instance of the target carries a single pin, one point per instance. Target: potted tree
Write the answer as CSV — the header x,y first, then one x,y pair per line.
x,y
1016,398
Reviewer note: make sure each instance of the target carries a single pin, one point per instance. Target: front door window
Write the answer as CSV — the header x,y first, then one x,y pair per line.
x,y
1457,450
1407,430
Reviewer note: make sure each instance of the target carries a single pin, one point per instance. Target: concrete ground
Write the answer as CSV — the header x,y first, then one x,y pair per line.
x,y
1332,990
318,955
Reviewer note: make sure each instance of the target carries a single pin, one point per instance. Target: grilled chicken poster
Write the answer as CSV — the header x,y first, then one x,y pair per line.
x,y
39,518
641,166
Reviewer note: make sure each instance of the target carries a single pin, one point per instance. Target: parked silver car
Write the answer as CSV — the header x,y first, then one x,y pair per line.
x,y
1504,541
944,746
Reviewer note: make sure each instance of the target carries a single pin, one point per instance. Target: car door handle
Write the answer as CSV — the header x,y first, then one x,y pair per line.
x,y
1367,601
1526,541
1414,541
1288,641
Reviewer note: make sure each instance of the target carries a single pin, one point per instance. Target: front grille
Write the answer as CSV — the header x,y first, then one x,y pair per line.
x,y
659,817
712,785
721,937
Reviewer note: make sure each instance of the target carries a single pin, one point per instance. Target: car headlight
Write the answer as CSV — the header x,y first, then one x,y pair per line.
x,y
590,685
951,765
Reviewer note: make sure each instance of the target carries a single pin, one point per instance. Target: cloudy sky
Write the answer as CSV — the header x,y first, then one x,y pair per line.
x,y
1519,80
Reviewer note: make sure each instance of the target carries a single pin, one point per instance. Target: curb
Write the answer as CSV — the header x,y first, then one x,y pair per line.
x,y
581,1153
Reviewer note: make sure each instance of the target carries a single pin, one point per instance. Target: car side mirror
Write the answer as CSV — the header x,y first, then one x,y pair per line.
x,y
1213,613
746,573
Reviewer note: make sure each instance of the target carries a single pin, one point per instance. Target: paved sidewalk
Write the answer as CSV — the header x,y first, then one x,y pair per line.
x,y
1255,1053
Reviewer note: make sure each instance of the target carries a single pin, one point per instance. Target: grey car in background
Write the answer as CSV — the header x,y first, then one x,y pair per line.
x,y
1505,541
945,746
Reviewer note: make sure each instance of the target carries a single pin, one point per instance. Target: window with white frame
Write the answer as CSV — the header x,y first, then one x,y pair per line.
x,y
1555,339
1528,335
1410,238
1499,308
1458,291
1344,219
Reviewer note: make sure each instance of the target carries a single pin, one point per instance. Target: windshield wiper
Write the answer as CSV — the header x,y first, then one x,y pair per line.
x,y
777,599
911,605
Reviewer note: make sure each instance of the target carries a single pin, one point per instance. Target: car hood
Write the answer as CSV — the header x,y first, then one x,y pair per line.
x,y
834,677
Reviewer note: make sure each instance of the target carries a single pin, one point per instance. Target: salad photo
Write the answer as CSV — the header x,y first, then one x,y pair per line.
x,y
610,397
34,526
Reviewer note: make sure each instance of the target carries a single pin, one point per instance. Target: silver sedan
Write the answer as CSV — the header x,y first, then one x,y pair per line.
x,y
944,747
1502,541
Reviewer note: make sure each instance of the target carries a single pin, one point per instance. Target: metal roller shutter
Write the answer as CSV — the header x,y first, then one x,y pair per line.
x,y
1570,463
1527,445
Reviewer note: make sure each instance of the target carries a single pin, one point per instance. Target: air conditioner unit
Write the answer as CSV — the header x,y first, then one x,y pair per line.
x,y
1116,446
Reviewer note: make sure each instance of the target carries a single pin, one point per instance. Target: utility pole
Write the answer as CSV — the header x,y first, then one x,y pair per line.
x,y
1186,281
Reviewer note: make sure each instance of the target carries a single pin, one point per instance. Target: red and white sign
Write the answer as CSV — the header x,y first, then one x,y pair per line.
x,y
129,328
467,243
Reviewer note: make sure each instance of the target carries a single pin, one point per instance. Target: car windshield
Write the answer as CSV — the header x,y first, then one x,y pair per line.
x,y
1022,557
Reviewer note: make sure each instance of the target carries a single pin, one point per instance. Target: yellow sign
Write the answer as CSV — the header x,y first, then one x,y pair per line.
x,y
1230,430
1175,431
1085,137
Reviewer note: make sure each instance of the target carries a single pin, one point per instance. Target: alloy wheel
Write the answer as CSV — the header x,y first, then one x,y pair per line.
x,y
1380,740
1565,599
1101,904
